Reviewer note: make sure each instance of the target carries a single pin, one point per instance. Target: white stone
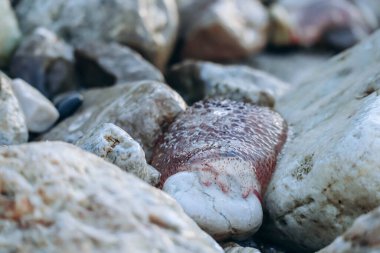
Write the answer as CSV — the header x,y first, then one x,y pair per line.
x,y
116,146
236,248
40,113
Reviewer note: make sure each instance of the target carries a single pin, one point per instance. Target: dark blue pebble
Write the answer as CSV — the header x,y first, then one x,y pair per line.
x,y
67,104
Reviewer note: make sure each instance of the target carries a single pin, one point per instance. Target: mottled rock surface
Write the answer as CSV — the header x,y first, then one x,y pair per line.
x,y
122,106
116,146
40,114
58,198
196,80
101,64
328,173
44,61
236,248
13,128
148,26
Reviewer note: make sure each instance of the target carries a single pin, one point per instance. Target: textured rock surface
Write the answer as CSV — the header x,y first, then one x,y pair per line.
x,y
101,64
216,160
45,62
196,80
328,173
362,237
58,198
121,105
150,27
13,128
113,144
40,114
222,29
9,31
236,248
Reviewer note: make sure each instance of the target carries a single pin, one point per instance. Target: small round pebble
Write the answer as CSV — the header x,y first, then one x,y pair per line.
x,y
68,103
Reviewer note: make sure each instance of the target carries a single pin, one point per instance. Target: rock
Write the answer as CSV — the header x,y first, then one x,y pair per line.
x,y
9,32
116,146
45,62
222,29
236,248
211,167
68,103
362,237
142,109
327,174
150,27
101,64
196,80
40,114
13,128
58,198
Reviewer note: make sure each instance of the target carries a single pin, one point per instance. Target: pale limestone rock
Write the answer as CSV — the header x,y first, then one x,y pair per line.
x,y
113,144
236,248
58,198
40,114
13,128
328,173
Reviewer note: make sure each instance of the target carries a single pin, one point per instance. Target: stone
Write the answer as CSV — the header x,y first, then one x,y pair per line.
x,y
68,103
143,109
113,144
222,29
101,64
362,237
149,27
40,114
197,80
13,128
236,248
57,198
46,62
216,160
328,172
10,34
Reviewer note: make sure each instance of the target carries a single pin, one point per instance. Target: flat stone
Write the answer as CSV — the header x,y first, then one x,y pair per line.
x,y
13,128
59,198
40,114
327,174
116,146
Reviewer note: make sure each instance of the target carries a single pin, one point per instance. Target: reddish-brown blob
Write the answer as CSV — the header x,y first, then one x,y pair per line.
x,y
222,130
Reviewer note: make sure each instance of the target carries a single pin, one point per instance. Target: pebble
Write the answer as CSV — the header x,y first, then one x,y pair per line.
x,y
68,103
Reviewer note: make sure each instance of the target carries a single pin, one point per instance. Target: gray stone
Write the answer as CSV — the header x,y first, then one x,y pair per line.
x,y
13,128
328,173
46,62
40,114
236,248
101,64
58,198
9,32
148,26
113,144
196,80
143,109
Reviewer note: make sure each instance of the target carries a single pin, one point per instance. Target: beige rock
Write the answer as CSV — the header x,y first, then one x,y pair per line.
x,y
58,198
13,128
328,173
143,109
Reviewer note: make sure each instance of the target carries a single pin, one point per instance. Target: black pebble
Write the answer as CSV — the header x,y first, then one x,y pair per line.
x,y
68,103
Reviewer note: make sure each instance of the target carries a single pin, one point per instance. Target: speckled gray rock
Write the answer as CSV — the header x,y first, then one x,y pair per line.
x,y
102,64
148,26
236,248
40,114
13,128
143,109
196,80
9,31
46,62
58,198
362,237
328,173
222,29
113,144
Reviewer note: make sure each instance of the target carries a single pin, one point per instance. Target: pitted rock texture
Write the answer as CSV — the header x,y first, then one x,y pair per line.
x,y
116,146
216,160
328,173
13,128
148,26
122,106
57,198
